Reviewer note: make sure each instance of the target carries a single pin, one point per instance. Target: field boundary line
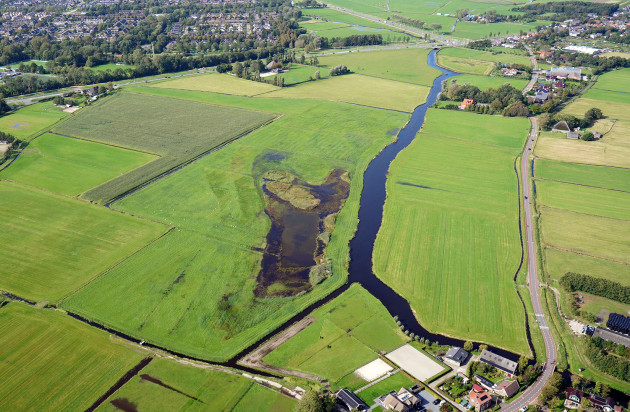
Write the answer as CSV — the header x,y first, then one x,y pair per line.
x,y
106,144
562,249
582,184
583,164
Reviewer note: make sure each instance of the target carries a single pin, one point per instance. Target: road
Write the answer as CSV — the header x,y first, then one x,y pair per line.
x,y
531,394
534,79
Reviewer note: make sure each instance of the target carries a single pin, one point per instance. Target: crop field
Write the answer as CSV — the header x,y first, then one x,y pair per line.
x,y
598,176
487,82
31,119
338,29
465,65
337,17
167,385
178,130
217,83
411,65
218,210
616,80
452,210
342,338
362,90
52,362
68,242
50,159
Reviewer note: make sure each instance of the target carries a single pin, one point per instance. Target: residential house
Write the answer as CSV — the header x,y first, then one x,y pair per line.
x,y
559,85
573,398
597,135
479,398
456,356
573,73
466,103
489,385
402,401
350,400
605,404
509,72
498,361
507,388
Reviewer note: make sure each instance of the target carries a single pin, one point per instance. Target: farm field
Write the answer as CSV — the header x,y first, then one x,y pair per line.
x,y
598,176
452,203
608,96
217,83
361,90
616,80
465,65
597,305
487,82
411,65
31,119
50,159
129,120
338,30
167,385
341,339
72,241
335,17
474,31
557,263
52,362
112,67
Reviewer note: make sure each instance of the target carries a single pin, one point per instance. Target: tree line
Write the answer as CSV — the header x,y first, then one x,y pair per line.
x,y
565,10
609,363
573,282
6,138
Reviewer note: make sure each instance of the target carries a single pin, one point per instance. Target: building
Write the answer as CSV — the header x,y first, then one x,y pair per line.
x,y
573,73
561,126
466,103
612,336
402,401
573,135
507,388
499,362
489,385
573,398
456,356
350,400
619,323
479,398
583,49
605,404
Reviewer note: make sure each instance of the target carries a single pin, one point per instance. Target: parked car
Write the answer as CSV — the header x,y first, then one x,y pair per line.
x,y
524,408
437,401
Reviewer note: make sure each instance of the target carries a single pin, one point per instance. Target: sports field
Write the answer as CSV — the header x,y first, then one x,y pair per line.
x,y
52,362
168,385
52,244
50,159
449,240
217,83
341,339
487,82
31,119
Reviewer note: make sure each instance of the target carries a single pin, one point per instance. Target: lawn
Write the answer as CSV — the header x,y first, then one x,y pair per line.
x,y
342,338
217,83
411,64
167,385
607,95
452,210
599,176
178,130
29,120
49,160
393,383
487,82
596,304
53,245
361,90
41,63
52,362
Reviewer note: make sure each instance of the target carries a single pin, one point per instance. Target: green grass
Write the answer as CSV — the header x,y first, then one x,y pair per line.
x,y
213,390
178,130
50,160
599,176
52,362
342,338
31,119
557,263
217,83
393,383
461,224
465,65
474,31
595,304
52,245
616,80
299,73
487,82
608,96
485,56
112,67
41,63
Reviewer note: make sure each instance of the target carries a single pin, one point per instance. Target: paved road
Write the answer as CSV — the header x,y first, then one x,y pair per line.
x,y
531,394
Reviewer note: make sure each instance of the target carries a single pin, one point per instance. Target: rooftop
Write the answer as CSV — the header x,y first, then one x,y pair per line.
x,y
498,361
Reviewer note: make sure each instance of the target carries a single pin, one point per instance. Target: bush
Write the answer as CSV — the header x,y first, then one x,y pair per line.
x,y
587,137
339,70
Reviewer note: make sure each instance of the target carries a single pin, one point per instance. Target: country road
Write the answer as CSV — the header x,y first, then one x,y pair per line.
x,y
531,394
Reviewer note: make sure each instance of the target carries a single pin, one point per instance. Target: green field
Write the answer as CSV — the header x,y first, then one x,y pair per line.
x,y
52,362
557,263
50,159
465,65
342,338
177,130
452,210
599,176
299,73
191,388
472,61
31,119
112,67
616,80
474,31
53,245
487,82
339,30
393,383
41,63
217,83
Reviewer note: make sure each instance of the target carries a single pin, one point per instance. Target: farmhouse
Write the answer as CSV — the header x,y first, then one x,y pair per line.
x,y
402,401
507,388
350,399
479,398
456,356
573,398
498,362
466,103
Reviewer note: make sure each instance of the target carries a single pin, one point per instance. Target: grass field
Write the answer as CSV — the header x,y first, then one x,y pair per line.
x,y
393,383
298,73
452,210
474,31
185,130
616,80
342,338
52,244
485,56
599,176
557,263
596,305
411,64
487,82
50,159
52,362
357,89
41,63
338,30
31,119
112,67
217,83
211,390
465,65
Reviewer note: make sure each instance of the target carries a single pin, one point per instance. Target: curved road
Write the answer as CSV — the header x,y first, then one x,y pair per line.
x,y
531,394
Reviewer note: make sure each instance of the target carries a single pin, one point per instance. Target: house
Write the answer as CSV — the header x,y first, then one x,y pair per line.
x,y
573,398
573,135
605,404
574,73
479,398
559,85
456,356
597,135
544,88
402,401
466,103
350,400
541,97
498,361
562,126
507,388
484,382
509,72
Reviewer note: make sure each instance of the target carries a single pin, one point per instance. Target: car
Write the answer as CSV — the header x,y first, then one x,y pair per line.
x,y
437,401
524,408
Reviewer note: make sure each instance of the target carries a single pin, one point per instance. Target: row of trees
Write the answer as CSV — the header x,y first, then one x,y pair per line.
x,y
12,142
564,10
416,23
573,282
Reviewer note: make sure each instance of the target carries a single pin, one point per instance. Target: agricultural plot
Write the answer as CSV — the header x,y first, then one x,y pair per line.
x,y
31,119
167,385
361,90
465,65
112,67
449,241
339,30
342,338
558,262
487,82
616,80
50,159
52,362
176,130
299,73
474,31
597,176
337,17
66,243
217,83
485,56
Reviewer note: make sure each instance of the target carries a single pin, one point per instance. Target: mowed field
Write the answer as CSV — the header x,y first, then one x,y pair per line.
x,y
616,80
449,242
475,61
217,83
50,159
52,362
169,386
487,82
51,244
338,30
343,338
29,120
176,130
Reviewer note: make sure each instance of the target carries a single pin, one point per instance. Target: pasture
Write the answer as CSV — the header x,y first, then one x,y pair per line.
x,y
338,30
217,83
66,242
341,339
50,159
616,80
474,31
167,385
465,65
485,56
598,176
558,262
487,82
112,67
299,73
52,362
177,130
449,240
29,120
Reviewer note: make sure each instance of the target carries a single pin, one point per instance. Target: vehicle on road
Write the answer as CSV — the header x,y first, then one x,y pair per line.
x,y
524,408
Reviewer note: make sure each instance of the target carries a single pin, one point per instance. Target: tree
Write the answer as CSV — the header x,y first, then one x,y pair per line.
x,y
605,392
553,387
522,363
317,75
544,121
516,109
587,137
59,100
237,69
577,382
593,114
436,26
483,347
339,70
4,107
468,346
598,387
314,402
